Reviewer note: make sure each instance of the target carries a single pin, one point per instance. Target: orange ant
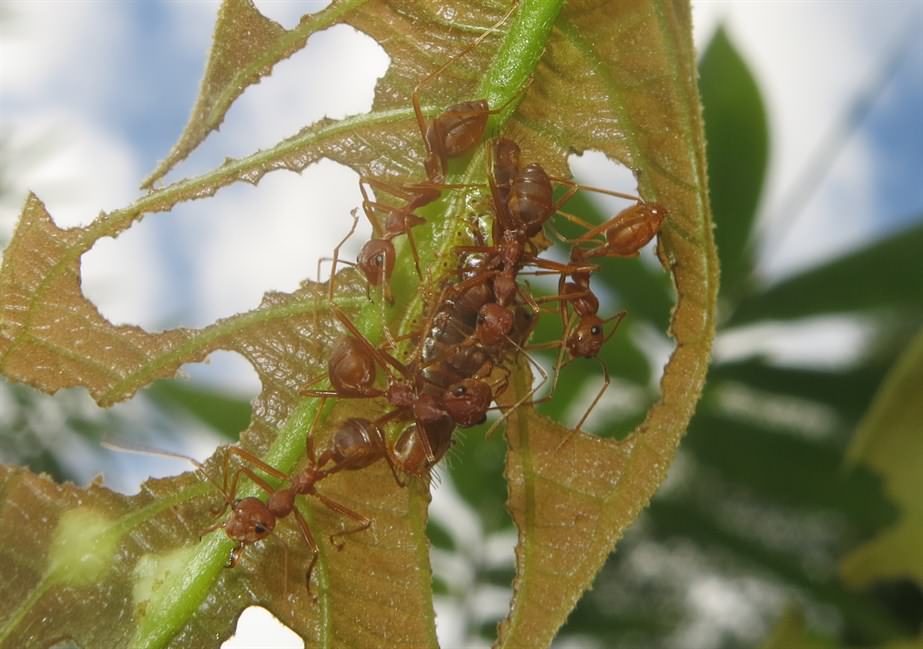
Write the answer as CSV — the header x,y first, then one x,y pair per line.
x,y
626,233
252,520
452,133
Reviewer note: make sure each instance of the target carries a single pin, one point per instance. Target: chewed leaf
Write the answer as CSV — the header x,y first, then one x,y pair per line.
x,y
246,46
67,550
53,337
890,441
572,503
618,78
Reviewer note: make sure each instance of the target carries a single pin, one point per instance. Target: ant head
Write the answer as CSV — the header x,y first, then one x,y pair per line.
x,y
587,338
376,260
467,401
250,521
493,324
656,214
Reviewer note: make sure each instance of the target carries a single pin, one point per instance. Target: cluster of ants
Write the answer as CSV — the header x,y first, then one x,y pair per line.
x,y
472,331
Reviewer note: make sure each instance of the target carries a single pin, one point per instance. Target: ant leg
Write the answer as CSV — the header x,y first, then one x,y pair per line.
x,y
312,546
575,187
262,484
599,395
370,206
234,558
525,398
413,250
336,256
387,297
309,438
364,522
249,457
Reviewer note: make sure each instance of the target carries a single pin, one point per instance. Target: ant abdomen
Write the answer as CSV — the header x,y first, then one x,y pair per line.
x,y
641,224
356,444
351,369
531,201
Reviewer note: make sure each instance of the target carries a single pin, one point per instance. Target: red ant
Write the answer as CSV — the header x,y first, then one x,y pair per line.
x,y
353,446
452,133
626,234
352,374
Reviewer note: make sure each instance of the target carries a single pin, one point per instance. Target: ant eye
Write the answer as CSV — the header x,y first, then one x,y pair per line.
x,y
259,528
596,330
459,391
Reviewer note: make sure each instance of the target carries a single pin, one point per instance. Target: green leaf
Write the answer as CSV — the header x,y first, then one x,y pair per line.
x,y
884,274
223,413
791,633
890,441
847,392
737,134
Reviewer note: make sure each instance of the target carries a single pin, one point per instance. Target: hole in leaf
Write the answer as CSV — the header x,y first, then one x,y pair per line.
x,y
595,169
225,372
252,240
128,278
51,148
211,259
257,627
288,14
299,92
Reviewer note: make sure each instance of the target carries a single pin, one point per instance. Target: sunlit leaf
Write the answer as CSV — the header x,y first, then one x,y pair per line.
x,y
890,441
572,504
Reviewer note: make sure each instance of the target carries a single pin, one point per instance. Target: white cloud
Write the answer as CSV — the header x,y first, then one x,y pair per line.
x,y
62,53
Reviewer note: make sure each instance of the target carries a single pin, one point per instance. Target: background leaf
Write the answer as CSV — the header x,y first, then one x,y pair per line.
x,y
738,150
874,277
890,441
